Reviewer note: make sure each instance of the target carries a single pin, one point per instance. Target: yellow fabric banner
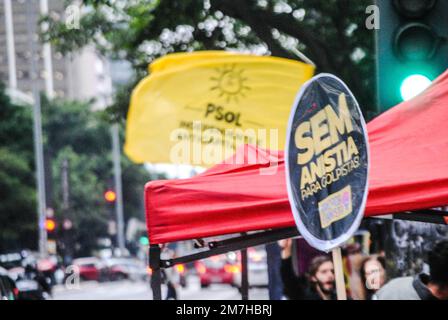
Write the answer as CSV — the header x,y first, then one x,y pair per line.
x,y
197,108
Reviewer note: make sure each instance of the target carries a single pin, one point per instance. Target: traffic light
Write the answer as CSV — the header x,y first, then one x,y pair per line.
x,y
411,48
110,196
144,241
50,225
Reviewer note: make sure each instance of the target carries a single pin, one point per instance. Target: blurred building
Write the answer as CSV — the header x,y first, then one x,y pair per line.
x,y
89,77
82,76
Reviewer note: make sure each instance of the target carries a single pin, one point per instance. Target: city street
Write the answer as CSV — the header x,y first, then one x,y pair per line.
x,y
219,149
127,290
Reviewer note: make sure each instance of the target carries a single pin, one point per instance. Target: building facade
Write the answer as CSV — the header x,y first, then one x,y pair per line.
x,y
82,75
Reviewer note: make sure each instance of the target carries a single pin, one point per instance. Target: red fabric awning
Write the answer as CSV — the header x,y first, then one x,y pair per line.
x,y
409,171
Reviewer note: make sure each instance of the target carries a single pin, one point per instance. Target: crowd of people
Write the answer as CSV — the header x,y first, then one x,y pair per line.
x,y
318,283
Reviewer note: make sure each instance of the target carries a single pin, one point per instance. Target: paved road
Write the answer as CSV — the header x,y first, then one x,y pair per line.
x,y
127,290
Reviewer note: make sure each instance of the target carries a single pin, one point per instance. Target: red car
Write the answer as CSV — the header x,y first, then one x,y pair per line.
x,y
216,269
90,269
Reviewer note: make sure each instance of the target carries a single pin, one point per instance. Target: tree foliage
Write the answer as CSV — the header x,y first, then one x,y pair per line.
x,y
18,218
81,137
330,32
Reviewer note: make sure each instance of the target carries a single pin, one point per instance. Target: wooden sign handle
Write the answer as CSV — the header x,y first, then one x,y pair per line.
x,y
339,274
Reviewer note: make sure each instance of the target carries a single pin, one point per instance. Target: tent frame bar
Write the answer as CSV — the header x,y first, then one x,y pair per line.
x,y
234,244
426,216
254,239
216,248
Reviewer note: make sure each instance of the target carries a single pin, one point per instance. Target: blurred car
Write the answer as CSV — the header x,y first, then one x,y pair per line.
x,y
91,269
257,268
30,289
8,288
15,262
216,270
48,266
125,268
31,284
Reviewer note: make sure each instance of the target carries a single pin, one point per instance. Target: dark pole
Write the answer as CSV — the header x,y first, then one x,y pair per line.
x,y
67,235
274,262
244,276
156,277
65,186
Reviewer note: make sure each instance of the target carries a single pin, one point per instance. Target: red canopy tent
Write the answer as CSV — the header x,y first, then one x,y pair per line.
x,y
409,171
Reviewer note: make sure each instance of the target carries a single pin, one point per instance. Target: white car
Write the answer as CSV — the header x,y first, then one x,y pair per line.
x,y
257,268
126,268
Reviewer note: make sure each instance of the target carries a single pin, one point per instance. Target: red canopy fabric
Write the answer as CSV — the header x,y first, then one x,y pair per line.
x,y
409,171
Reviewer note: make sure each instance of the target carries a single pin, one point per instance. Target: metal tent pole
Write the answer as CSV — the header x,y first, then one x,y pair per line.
x,y
156,277
244,276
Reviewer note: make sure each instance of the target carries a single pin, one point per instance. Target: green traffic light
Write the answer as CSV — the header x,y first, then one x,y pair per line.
x,y
413,86
144,241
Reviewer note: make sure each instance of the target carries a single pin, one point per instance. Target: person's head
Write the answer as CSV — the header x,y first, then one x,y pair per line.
x,y
438,268
373,273
321,273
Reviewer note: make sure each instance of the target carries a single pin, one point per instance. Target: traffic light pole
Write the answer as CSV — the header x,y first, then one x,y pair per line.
x,y
118,187
38,145
48,64
11,51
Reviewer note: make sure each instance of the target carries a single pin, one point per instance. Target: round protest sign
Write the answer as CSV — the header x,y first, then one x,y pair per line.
x,y
327,162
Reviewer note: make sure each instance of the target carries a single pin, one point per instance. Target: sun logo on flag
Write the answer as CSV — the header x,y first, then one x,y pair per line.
x,y
230,82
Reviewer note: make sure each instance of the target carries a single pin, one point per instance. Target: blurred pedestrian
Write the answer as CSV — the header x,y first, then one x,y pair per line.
x,y
169,275
373,275
423,287
319,283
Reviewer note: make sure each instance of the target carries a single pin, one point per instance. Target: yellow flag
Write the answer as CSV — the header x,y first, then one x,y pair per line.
x,y
197,108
